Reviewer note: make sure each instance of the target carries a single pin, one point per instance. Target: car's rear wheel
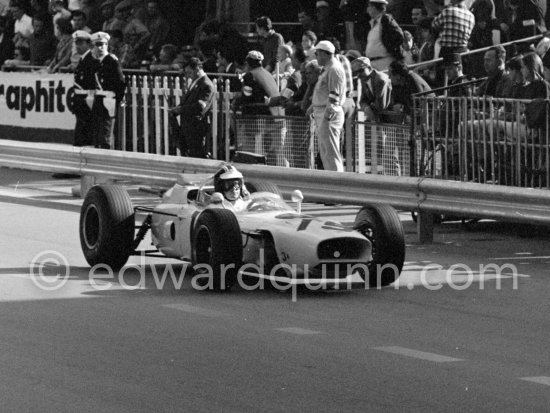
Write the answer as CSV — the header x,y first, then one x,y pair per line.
x,y
107,226
217,248
263,187
382,226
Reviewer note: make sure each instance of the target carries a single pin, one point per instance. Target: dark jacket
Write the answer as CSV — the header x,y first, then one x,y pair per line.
x,y
258,84
392,35
413,83
380,97
107,72
197,102
498,86
6,48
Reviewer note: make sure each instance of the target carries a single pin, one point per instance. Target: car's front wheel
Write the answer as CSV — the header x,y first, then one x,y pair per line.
x,y
217,248
106,227
382,226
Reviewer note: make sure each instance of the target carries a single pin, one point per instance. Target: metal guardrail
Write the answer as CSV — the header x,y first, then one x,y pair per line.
x,y
424,195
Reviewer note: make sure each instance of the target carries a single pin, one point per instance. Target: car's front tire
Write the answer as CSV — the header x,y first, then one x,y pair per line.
x,y
217,247
382,226
106,226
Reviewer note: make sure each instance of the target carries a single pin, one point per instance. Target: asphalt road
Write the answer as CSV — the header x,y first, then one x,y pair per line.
x,y
449,336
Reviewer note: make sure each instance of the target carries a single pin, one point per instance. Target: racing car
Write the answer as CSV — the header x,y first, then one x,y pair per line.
x,y
267,239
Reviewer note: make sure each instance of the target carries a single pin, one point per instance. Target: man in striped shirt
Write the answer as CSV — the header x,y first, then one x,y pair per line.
x,y
328,97
454,24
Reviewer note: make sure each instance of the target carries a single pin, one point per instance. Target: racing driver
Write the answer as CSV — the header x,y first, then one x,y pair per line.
x,y
229,181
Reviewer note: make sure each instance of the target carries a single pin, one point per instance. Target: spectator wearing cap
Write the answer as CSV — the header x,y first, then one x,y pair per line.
x,y
22,28
271,42
82,43
258,88
376,89
328,98
258,84
454,24
194,111
100,71
63,51
384,36
326,23
452,64
42,42
349,104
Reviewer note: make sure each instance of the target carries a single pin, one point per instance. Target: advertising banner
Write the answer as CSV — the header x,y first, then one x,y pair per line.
x,y
33,100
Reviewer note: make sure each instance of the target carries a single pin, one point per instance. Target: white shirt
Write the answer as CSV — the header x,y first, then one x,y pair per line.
x,y
375,48
23,26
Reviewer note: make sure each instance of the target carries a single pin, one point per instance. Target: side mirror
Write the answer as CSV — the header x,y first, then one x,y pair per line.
x,y
297,197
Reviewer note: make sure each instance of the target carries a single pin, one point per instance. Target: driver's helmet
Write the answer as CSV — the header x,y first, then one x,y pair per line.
x,y
229,181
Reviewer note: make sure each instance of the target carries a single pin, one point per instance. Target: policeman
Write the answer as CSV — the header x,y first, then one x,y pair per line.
x,y
83,129
99,78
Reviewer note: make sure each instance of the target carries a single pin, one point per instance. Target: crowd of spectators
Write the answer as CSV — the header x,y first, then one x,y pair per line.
x,y
379,43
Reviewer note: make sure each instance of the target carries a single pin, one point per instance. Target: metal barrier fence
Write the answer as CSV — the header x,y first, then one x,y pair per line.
x,y
485,140
382,148
292,141
285,141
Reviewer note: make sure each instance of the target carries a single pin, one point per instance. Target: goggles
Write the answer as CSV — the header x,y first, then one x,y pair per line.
x,y
230,184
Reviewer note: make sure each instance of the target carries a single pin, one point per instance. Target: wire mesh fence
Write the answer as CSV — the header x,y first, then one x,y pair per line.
x,y
285,141
383,149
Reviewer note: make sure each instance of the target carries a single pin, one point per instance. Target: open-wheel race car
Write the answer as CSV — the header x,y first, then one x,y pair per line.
x,y
264,238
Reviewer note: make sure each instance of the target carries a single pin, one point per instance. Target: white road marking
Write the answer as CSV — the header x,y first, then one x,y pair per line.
x,y
539,380
541,257
197,310
298,330
402,351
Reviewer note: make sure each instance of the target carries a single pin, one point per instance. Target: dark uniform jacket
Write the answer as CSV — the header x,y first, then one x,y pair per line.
x,y
109,74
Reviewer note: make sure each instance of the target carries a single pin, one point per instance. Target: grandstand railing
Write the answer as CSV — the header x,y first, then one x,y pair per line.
x,y
482,139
